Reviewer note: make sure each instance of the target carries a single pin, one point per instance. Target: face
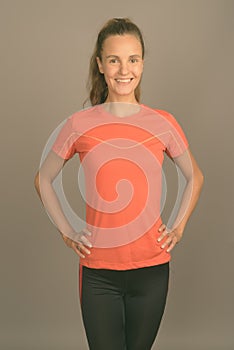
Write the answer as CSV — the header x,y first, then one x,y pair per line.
x,y
122,66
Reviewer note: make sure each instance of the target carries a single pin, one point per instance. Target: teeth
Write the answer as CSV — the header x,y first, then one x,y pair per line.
x,y
123,80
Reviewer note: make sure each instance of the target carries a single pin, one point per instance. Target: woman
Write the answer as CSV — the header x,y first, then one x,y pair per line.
x,y
123,277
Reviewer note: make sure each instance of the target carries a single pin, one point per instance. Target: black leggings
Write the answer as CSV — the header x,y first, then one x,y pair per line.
x,y
122,309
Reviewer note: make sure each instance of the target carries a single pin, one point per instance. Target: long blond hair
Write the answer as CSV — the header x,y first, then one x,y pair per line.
x,y
96,82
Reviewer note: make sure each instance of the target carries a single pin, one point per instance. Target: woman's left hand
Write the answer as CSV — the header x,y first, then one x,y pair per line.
x,y
173,237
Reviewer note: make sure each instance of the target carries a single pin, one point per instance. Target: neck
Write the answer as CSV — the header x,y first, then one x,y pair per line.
x,y
123,99
121,109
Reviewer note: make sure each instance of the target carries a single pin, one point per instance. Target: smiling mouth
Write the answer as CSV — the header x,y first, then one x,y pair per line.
x,y
124,80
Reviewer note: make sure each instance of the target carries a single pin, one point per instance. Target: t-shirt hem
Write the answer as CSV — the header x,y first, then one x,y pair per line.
x,y
125,266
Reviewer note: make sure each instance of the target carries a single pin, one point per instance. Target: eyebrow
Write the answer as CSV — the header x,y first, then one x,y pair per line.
x,y
115,56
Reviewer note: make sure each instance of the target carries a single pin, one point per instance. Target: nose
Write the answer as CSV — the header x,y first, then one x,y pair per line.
x,y
123,69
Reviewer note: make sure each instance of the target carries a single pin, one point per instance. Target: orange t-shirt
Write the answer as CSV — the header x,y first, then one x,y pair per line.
x,y
122,160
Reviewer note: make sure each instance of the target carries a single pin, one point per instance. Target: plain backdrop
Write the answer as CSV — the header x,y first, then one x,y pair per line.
x,y
45,51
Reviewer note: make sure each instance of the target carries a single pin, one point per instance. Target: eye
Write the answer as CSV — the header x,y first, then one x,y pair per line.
x,y
113,61
134,60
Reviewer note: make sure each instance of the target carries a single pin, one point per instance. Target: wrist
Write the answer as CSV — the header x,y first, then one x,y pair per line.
x,y
178,228
179,232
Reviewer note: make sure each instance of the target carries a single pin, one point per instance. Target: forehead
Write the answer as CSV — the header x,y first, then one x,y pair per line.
x,y
122,44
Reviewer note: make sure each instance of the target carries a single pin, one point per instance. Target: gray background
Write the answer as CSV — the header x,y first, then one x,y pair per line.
x,y
46,47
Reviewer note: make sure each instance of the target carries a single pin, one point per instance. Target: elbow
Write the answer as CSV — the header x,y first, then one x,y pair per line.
x,y
36,179
36,182
199,179
40,181
196,178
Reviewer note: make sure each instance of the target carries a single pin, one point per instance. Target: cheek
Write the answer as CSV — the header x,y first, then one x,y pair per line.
x,y
138,71
110,73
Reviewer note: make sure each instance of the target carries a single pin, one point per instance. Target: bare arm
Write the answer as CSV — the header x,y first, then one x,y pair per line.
x,y
195,179
44,178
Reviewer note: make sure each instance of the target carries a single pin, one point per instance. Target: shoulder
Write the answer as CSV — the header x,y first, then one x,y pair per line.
x,y
84,112
165,114
76,118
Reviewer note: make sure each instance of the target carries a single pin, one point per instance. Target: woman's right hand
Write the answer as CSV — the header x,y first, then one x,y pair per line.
x,y
79,244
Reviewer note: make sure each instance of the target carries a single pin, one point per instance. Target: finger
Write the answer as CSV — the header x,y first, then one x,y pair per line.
x,y
77,250
80,238
167,242
172,245
164,234
162,228
82,248
85,241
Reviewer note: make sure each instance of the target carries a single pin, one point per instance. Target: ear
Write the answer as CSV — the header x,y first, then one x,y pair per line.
x,y
99,65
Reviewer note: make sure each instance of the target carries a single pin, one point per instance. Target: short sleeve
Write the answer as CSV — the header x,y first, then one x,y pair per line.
x,y
65,143
177,141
